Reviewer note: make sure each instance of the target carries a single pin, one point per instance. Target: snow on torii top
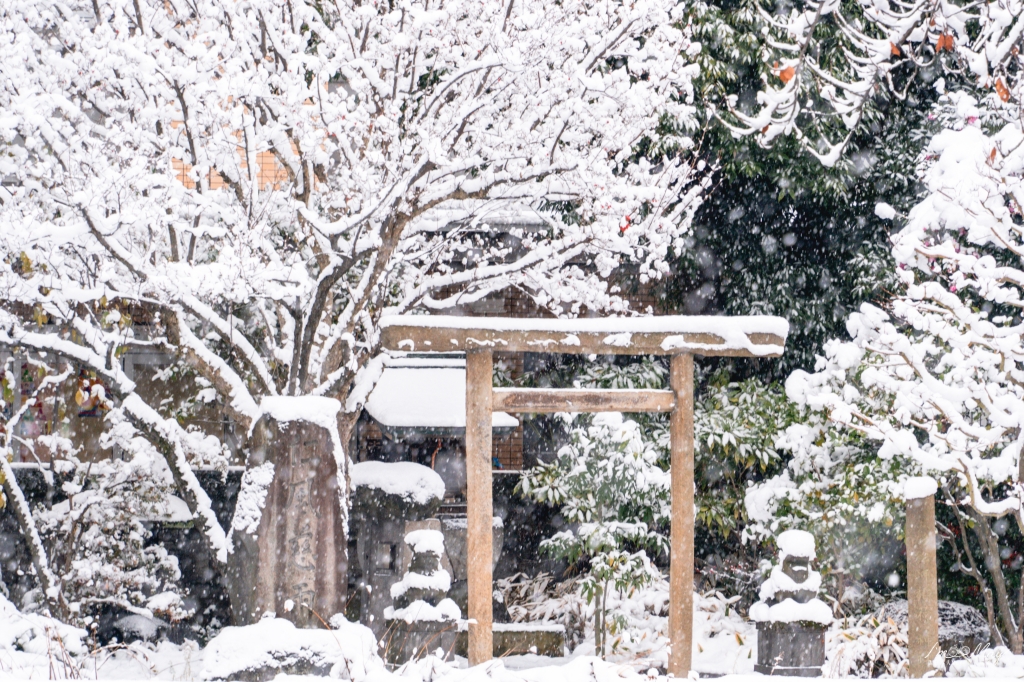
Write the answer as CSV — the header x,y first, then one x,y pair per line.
x,y
762,336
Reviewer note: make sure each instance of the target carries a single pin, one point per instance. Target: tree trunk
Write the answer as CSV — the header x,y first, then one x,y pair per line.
x,y
986,591
604,618
990,555
295,565
19,505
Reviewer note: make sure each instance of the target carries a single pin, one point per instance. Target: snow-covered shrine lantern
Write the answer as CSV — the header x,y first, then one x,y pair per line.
x,y
790,618
679,336
417,398
387,498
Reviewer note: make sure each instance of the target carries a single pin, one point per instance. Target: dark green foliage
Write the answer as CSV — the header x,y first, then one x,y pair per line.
x,y
780,233
808,258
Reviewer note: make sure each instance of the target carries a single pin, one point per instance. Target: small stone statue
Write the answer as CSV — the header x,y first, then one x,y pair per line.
x,y
423,618
790,618
798,569
422,593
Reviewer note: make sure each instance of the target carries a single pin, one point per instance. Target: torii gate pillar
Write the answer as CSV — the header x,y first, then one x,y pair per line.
x,y
680,580
479,503
922,578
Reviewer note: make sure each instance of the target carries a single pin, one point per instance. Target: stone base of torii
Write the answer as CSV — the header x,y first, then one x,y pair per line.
x,y
680,337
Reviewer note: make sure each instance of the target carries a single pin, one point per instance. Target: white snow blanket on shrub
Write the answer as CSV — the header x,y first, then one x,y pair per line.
x,y
31,635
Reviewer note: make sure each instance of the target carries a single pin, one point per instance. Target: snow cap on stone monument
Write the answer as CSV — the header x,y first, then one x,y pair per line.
x,y
795,543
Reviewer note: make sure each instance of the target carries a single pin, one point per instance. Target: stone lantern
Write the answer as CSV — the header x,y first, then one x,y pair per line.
x,y
423,618
790,618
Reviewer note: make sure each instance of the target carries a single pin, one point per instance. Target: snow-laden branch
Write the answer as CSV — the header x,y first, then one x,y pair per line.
x,y
835,57
248,189
166,434
170,439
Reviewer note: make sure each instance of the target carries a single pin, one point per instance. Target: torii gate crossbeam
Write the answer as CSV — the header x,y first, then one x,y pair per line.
x,y
681,337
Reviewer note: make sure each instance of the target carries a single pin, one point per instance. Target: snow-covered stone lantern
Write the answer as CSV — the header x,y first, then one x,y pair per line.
x,y
423,618
790,618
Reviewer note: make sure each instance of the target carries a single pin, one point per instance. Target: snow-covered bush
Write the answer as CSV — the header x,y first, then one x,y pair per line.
x,y
869,647
92,546
638,632
541,598
837,488
613,493
97,540
27,638
989,663
724,640
735,429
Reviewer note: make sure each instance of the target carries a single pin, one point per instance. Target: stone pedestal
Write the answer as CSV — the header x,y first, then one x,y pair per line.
x,y
792,649
409,641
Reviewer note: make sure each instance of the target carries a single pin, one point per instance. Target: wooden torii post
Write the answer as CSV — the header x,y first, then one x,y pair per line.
x,y
922,576
681,337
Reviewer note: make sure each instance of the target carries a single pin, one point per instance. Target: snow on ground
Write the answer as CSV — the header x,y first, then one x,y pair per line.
x,y
37,647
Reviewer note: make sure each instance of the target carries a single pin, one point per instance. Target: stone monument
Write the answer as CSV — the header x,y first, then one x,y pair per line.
x,y
423,618
790,618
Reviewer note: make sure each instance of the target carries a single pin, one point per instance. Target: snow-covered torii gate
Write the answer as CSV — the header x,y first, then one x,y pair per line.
x,y
681,337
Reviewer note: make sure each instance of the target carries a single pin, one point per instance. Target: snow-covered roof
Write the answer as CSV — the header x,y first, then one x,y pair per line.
x,y
428,393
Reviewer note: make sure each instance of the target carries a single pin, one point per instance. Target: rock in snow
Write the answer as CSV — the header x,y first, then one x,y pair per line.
x,y
273,646
960,625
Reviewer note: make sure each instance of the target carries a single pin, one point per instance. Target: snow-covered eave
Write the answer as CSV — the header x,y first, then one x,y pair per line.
x,y
497,216
759,336
414,397
402,433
